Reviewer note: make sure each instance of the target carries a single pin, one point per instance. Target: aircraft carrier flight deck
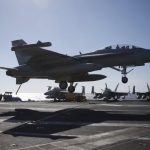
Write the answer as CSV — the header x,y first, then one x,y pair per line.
x,y
91,125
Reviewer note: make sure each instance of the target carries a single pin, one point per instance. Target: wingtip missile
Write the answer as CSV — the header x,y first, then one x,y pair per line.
x,y
17,44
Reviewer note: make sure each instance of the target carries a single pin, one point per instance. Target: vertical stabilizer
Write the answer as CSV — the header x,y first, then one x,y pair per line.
x,y
21,57
148,87
49,88
133,92
83,90
106,86
92,90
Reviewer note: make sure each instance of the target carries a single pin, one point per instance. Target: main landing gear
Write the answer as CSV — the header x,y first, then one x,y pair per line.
x,y
63,85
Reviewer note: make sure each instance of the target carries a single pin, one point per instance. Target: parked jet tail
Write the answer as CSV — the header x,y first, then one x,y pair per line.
x,y
83,90
148,87
92,90
133,92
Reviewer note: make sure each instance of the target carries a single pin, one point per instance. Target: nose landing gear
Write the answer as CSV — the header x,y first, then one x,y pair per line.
x,y
124,72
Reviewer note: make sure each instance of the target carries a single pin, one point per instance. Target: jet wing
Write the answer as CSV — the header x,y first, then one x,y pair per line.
x,y
41,58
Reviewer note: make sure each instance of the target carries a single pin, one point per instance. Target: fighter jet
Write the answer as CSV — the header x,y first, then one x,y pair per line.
x,y
144,95
58,94
37,62
108,94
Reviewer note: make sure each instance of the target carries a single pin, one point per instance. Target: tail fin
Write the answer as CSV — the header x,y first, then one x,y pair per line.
x,y
83,90
148,87
133,92
92,90
49,88
116,87
106,86
19,53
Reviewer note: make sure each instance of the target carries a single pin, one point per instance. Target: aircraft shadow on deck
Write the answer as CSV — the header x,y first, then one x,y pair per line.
x,y
33,128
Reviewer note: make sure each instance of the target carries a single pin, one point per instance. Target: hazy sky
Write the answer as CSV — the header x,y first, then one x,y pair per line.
x,y
73,26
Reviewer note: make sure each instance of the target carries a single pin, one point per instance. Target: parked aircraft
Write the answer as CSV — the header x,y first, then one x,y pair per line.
x,y
58,94
131,95
143,95
108,94
36,62
55,93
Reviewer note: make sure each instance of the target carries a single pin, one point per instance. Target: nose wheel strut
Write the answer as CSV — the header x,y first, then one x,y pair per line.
x,y
124,72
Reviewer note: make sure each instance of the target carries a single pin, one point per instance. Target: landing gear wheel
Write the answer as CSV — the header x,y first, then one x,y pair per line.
x,y
71,89
63,85
124,79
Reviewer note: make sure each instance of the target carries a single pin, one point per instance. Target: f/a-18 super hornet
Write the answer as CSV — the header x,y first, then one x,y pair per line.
x,y
61,95
144,95
37,62
109,95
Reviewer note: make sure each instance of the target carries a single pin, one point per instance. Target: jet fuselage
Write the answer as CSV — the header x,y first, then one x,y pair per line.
x,y
117,57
